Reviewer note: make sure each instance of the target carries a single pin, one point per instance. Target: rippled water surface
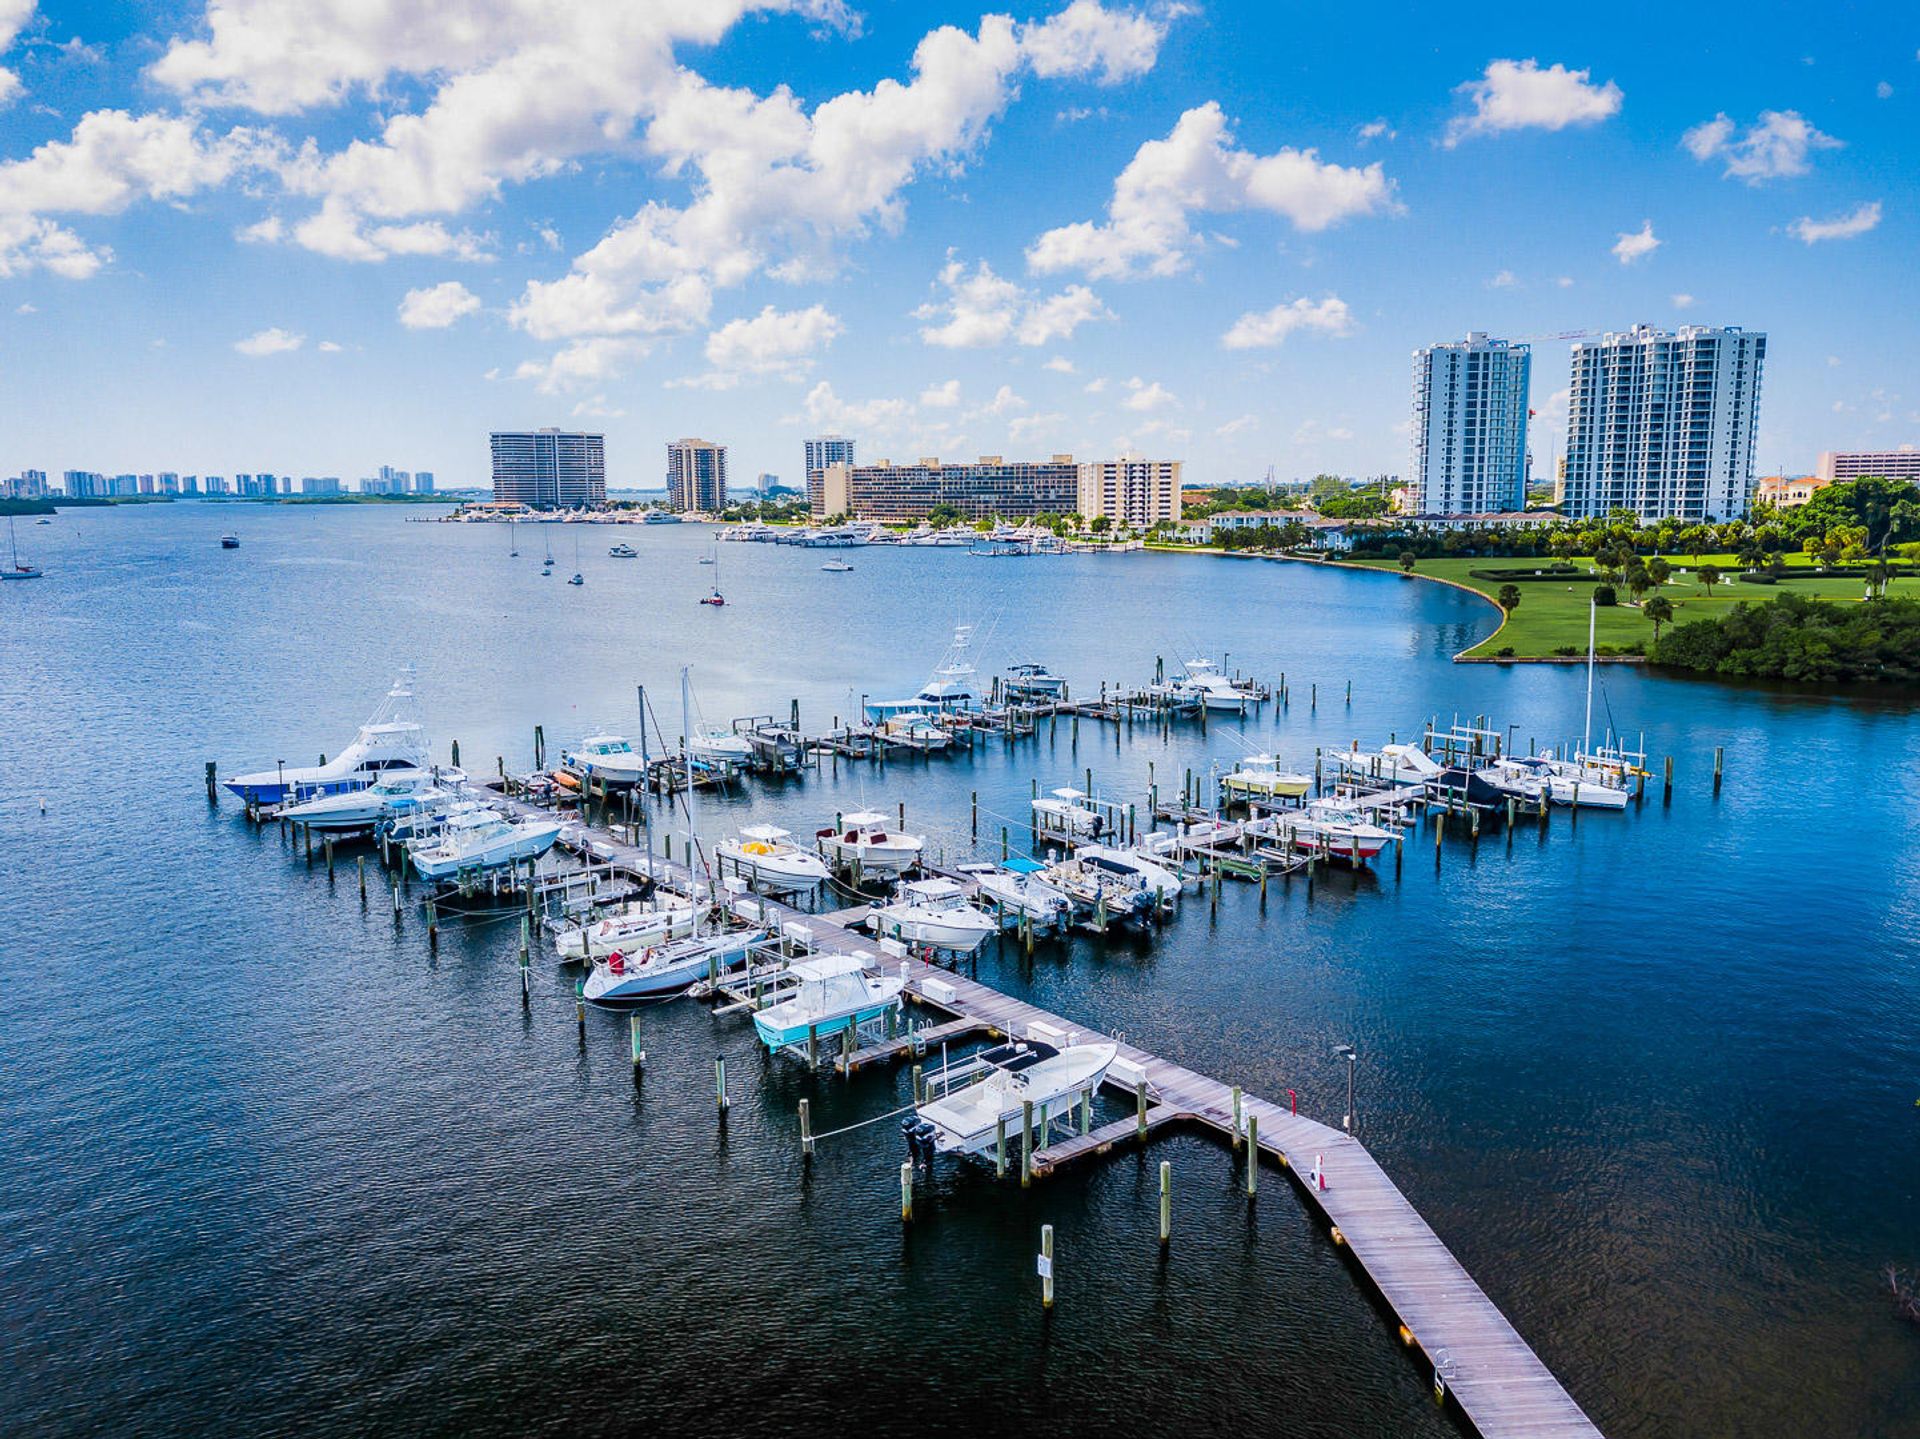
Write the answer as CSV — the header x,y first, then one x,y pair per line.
x,y
270,1165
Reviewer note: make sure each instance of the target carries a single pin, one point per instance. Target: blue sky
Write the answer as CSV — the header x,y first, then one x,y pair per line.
x,y
313,237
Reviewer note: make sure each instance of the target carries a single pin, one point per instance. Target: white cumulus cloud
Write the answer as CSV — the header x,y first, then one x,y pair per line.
x,y
1777,146
1199,168
1633,245
1258,329
1088,39
943,396
437,306
275,341
1148,397
1855,222
1519,95
780,344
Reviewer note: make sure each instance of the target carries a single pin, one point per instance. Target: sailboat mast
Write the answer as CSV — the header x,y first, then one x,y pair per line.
x,y
1593,614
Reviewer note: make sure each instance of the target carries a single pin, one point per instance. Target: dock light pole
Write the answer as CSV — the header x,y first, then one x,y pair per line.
x,y
1346,1052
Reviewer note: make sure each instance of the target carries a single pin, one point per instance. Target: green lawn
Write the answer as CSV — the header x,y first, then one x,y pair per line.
x,y
1552,613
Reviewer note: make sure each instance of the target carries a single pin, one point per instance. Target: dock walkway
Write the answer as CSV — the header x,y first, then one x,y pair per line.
x,y
1500,1384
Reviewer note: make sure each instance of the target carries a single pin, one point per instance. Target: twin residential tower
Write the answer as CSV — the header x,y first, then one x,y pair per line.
x,y
1660,423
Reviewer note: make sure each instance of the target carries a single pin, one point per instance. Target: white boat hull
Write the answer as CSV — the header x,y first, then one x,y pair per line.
x,y
624,933
941,929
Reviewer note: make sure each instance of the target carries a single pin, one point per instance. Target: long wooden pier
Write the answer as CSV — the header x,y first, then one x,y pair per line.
x,y
1501,1386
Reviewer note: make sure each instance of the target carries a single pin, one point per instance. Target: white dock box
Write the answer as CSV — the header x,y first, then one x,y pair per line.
x,y
938,990
1125,1072
896,948
1047,1033
795,932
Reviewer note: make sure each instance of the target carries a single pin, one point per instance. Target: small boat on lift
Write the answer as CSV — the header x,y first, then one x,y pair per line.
x,y
1016,887
971,1106
1033,681
609,758
483,839
831,993
865,840
935,912
1259,776
630,977
399,793
763,854
1062,814
627,927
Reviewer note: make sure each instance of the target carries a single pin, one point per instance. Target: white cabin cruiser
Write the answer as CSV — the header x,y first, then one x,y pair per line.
x,y
390,740
399,792
949,687
1095,890
831,994
864,839
1213,689
915,731
762,854
609,758
935,912
710,742
483,839
626,927
1063,814
1030,680
975,1106
1259,776
628,976
1343,830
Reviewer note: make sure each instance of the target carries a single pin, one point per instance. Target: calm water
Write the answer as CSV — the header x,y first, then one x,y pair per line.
x,y
269,1164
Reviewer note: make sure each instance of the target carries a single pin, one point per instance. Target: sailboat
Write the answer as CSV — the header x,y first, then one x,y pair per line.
x,y
16,570
513,540
549,560
715,597
578,578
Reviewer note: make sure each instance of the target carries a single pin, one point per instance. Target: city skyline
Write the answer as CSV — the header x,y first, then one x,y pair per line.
x,y
208,239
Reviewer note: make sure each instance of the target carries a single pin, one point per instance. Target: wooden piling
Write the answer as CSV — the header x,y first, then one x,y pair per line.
x,y
360,865
433,924
1000,1147
1166,1203
634,1051
1253,1155
806,1130
1666,796
906,1191
1140,1107
1719,762
720,1083
1235,1139
327,845
1026,1143
1046,1266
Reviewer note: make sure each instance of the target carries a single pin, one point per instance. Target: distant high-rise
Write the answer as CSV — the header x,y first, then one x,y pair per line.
x,y
696,476
27,485
1841,465
822,451
1470,426
765,483
550,469
1663,424
423,482
1131,490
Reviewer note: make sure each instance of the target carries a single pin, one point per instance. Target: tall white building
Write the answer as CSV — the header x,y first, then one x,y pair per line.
x,y
1663,424
1131,490
697,476
1470,427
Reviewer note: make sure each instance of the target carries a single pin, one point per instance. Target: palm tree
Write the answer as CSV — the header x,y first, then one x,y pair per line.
x,y
1659,569
1407,561
1508,598
1709,575
1659,609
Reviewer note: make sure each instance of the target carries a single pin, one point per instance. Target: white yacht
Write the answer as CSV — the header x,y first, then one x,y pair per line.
x,y
628,977
626,927
1016,888
610,758
949,687
864,839
622,551
483,839
710,742
973,1107
1334,827
390,740
1259,776
1213,689
915,731
935,912
837,567
1062,814
400,792
830,994
762,853
1033,681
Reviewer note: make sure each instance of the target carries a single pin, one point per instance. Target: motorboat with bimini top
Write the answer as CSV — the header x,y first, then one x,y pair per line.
x,y
1062,814
1342,829
398,793
482,839
762,854
710,742
1033,681
609,758
864,839
625,976
829,994
629,927
936,912
1017,887
915,731
949,687
1259,776
1157,879
973,1106
391,740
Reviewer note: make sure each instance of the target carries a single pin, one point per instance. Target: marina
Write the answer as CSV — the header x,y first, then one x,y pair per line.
x,y
1238,985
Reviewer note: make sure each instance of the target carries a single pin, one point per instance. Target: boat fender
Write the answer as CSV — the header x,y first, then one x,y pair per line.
x,y
617,962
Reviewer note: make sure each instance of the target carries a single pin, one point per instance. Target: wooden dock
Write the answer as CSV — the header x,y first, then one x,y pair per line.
x,y
1500,1385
